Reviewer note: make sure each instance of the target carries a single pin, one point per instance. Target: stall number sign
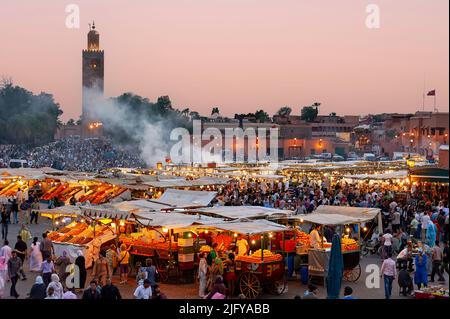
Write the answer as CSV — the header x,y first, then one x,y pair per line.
x,y
271,268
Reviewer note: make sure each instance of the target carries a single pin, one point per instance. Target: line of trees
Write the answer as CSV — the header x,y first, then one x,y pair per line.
x,y
26,118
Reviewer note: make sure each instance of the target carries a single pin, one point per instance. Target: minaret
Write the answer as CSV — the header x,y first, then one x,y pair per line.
x,y
93,81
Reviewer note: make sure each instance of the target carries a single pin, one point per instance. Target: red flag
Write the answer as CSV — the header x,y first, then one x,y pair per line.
x,y
432,93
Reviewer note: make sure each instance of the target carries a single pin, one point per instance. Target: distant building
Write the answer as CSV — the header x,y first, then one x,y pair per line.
x,y
298,138
422,132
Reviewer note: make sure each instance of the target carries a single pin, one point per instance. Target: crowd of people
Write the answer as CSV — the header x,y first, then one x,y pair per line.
x,y
74,154
413,247
57,277
418,222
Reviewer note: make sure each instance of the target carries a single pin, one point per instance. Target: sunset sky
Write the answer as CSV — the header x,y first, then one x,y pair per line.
x,y
239,55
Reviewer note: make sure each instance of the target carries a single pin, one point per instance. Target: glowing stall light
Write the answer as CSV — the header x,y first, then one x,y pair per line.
x,y
165,230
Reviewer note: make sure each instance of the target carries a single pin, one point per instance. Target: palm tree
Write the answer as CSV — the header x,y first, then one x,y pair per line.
x,y
185,112
215,110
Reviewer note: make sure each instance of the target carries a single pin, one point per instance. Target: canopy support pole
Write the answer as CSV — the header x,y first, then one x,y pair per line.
x,y
359,233
380,224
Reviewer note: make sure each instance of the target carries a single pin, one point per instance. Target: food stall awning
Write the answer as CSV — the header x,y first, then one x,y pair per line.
x,y
139,205
184,198
104,211
340,215
390,175
252,175
177,183
68,210
173,220
250,227
359,214
430,174
236,212
325,219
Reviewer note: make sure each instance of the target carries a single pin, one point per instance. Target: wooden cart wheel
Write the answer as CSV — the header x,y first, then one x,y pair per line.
x,y
278,287
352,275
249,285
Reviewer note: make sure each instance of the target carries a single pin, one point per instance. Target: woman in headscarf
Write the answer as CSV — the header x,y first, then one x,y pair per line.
x,y
61,263
38,290
35,256
3,275
80,262
57,287
421,275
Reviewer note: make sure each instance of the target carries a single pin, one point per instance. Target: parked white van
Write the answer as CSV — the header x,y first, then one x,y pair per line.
x,y
18,163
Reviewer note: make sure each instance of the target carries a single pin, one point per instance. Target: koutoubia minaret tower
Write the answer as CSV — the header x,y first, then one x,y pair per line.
x,y
93,83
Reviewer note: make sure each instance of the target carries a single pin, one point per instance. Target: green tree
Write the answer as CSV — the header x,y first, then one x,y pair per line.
x,y
309,113
185,112
71,122
262,116
26,118
163,104
284,111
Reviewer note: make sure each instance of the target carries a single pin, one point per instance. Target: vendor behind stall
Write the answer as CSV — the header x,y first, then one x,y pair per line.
x,y
243,247
315,238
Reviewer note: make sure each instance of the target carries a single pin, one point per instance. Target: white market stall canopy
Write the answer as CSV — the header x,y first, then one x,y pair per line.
x,y
236,212
250,227
104,211
122,210
253,175
340,215
177,183
68,210
170,200
139,205
173,220
184,198
390,175
44,173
